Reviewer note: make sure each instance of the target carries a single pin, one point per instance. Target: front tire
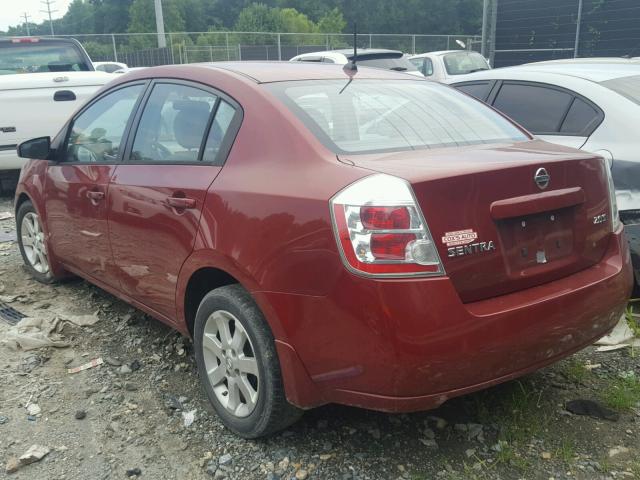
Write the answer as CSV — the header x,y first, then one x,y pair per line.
x,y
32,243
238,364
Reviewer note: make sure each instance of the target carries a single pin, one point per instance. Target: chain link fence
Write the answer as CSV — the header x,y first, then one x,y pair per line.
x,y
140,49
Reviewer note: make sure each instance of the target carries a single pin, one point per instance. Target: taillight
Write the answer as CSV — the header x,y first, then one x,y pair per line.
x,y
381,231
613,203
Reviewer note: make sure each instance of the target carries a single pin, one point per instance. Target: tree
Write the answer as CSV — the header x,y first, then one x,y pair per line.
x,y
332,22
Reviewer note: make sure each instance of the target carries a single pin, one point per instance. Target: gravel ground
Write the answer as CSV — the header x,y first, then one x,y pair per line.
x,y
127,417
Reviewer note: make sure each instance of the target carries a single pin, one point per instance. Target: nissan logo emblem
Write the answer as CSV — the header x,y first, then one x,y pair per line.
x,y
542,178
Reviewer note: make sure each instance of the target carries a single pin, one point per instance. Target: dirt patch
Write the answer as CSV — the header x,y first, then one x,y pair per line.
x,y
129,415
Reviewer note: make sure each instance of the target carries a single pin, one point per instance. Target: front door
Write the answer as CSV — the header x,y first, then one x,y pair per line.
x,y
158,192
77,184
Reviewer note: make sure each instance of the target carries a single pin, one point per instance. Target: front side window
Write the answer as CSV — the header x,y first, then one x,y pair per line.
x,y
173,124
381,115
97,133
461,63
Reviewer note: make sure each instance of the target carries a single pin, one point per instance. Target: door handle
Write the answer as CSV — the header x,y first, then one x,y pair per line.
x,y
64,96
181,202
95,195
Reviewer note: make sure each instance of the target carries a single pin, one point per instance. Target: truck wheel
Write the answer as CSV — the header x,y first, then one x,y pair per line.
x,y
238,364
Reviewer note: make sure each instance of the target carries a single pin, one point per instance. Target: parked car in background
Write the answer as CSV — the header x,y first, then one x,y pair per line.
x,y
109,67
367,57
42,81
445,66
276,255
592,105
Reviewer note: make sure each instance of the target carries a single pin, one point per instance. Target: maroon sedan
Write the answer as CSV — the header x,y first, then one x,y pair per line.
x,y
324,235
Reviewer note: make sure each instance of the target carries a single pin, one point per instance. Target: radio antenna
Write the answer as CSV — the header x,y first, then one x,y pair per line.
x,y
351,65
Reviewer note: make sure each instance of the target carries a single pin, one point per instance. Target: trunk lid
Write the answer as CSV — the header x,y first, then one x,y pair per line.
x,y
496,230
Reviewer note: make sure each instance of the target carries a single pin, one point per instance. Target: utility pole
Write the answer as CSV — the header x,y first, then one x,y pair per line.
x,y
162,41
578,24
485,27
26,23
48,3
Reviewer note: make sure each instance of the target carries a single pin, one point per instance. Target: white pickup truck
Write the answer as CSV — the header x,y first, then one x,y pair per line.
x,y
42,82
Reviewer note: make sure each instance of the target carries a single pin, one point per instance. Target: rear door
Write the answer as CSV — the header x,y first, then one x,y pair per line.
x,y
183,135
77,184
552,113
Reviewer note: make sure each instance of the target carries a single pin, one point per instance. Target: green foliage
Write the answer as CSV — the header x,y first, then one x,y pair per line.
x,y
623,394
332,22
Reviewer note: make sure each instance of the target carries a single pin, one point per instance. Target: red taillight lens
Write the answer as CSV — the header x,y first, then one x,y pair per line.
x,y
380,229
390,246
385,218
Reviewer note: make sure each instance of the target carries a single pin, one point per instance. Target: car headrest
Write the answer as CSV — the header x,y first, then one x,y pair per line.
x,y
190,122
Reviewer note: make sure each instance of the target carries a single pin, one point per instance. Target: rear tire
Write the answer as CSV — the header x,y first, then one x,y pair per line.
x,y
33,244
238,364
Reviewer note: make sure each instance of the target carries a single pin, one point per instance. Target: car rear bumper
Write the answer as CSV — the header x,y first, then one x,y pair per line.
x,y
405,345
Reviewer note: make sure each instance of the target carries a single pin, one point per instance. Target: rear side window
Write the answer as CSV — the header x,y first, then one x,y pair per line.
x,y
480,90
365,116
173,124
219,127
96,134
539,109
424,65
581,119
33,57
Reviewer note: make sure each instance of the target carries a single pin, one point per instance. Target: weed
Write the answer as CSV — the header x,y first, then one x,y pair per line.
x,y
623,393
575,371
566,451
635,469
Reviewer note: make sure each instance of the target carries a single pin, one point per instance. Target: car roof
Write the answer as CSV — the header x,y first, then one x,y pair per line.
x,y
592,60
594,72
362,52
267,72
38,40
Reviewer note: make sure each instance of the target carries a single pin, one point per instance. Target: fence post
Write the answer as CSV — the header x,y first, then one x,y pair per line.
x,y
173,59
226,35
448,42
578,23
115,52
485,27
211,52
239,52
413,44
279,49
328,44
370,41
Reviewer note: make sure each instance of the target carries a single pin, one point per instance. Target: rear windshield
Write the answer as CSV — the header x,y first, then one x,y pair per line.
x,y
368,116
461,63
398,64
33,57
626,86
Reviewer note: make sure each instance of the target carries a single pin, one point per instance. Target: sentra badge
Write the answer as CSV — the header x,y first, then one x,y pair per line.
x,y
470,249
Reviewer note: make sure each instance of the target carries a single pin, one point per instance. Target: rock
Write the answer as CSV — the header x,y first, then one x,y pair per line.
x,y
430,434
302,474
13,464
114,362
225,459
34,409
212,467
273,476
80,415
470,452
441,423
3,419
135,365
429,442
617,451
124,370
34,454
130,387
546,455
134,472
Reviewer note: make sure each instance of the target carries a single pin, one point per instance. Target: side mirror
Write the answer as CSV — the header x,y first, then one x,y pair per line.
x,y
36,148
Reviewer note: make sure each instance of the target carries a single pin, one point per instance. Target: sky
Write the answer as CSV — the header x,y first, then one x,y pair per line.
x,y
11,11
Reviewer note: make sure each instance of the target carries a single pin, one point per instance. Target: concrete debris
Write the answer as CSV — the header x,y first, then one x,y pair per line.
x,y
46,331
34,409
188,418
617,451
33,455
5,215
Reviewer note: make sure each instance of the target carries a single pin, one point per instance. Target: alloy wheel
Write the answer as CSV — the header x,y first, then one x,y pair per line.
x,y
33,243
230,363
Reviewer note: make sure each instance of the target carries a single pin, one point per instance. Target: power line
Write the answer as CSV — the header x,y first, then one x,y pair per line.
x,y
48,11
26,23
